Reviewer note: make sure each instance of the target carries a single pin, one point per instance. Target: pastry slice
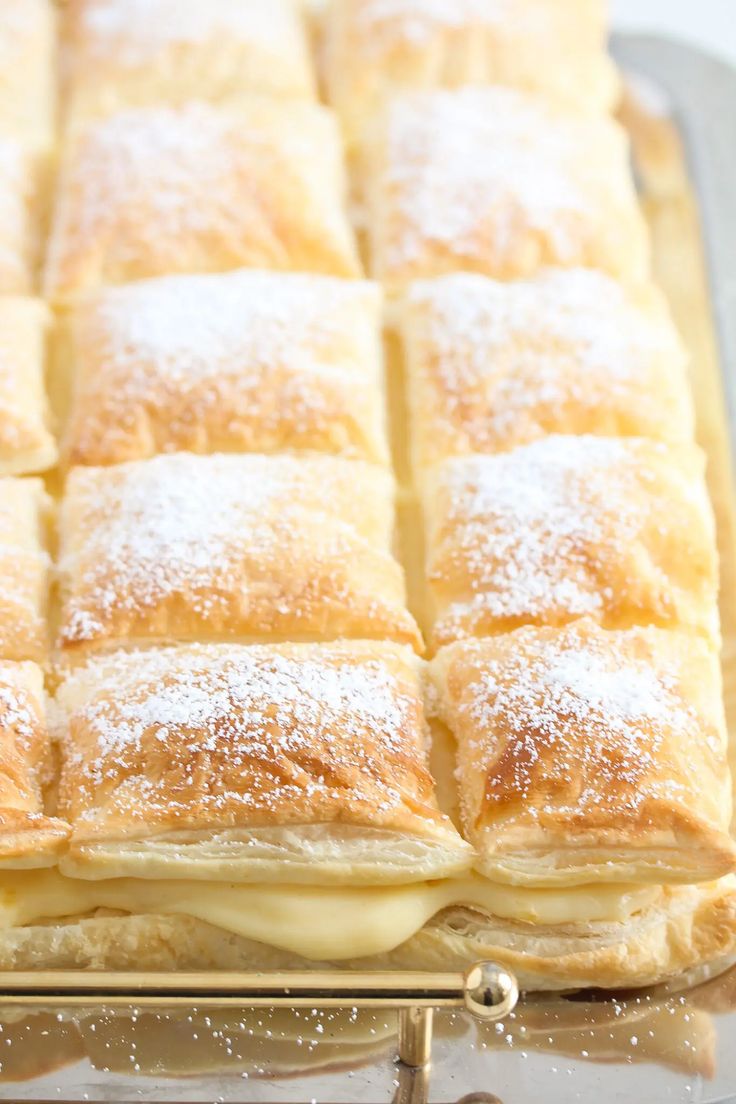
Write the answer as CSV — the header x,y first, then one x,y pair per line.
x,y
28,838
494,365
588,756
26,442
22,214
619,529
24,569
374,48
155,191
27,71
498,181
187,547
292,763
245,361
126,53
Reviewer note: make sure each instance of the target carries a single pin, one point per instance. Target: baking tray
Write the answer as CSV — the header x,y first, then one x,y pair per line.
x,y
674,1044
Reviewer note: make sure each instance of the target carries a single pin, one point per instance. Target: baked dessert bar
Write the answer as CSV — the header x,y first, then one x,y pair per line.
x,y
23,171
493,365
620,529
244,361
374,48
498,181
587,756
25,512
185,547
28,838
28,72
26,442
292,763
133,53
256,183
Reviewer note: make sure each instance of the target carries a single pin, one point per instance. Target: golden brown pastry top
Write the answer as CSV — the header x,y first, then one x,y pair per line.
x,y
124,53
375,47
256,182
496,181
21,203
244,361
185,547
494,365
589,755
28,71
27,836
203,739
618,528
26,442
25,565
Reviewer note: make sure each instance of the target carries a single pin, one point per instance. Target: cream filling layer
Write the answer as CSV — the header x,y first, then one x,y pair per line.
x,y
312,921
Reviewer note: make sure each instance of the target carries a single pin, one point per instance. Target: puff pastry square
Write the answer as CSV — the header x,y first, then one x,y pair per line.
x,y
132,53
620,529
28,838
256,183
244,361
185,547
266,763
26,442
27,71
586,755
497,181
495,365
22,202
376,47
24,568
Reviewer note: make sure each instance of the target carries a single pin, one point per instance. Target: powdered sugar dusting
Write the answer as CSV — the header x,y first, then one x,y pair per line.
x,y
529,529
415,21
135,31
281,354
501,360
497,178
165,162
581,719
213,532
246,730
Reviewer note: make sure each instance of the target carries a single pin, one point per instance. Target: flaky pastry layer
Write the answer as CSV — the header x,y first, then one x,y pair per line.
x,y
587,755
246,361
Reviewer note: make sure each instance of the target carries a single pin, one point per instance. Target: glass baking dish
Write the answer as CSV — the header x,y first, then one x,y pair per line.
x,y
675,1044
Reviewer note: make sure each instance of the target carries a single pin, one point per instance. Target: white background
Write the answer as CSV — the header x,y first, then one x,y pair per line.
x,y
710,23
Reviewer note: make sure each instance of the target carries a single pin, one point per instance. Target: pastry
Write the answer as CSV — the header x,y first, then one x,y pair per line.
x,y
494,365
501,182
186,547
28,838
587,756
292,763
620,529
132,53
155,191
26,442
27,71
244,361
23,169
24,569
374,48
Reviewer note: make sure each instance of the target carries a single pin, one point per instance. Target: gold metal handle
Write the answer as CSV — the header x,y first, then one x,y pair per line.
x,y
486,989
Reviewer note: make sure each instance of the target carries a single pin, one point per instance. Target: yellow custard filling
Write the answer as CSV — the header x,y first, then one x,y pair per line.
x,y
312,921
